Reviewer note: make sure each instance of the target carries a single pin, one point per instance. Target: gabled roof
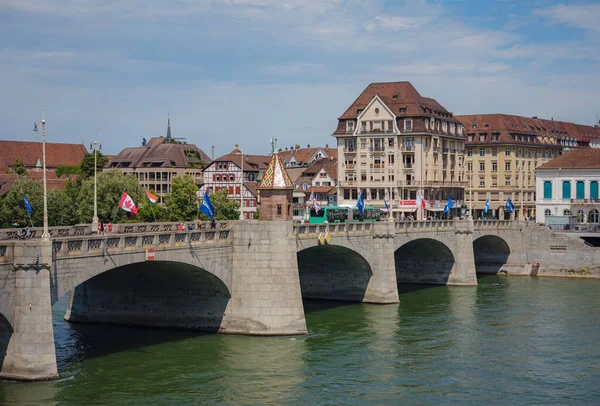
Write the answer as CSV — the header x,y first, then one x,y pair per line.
x,y
305,155
251,162
158,152
330,166
276,176
581,158
57,154
396,96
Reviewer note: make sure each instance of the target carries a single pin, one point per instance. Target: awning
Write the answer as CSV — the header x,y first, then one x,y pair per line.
x,y
435,208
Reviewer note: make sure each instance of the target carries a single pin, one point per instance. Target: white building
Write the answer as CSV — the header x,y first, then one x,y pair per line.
x,y
568,186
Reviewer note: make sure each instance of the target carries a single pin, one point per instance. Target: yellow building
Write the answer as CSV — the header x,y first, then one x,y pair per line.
x,y
395,144
503,152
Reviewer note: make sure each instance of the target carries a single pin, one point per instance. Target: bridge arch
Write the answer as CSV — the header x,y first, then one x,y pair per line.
x,y
333,272
491,253
424,260
6,332
152,293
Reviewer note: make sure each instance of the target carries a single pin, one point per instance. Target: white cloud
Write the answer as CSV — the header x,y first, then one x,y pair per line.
x,y
584,16
396,23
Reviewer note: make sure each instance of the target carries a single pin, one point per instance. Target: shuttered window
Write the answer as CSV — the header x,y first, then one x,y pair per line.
x,y
547,189
566,189
594,189
580,190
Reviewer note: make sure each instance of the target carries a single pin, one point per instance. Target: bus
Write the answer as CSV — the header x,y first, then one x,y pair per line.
x,y
339,214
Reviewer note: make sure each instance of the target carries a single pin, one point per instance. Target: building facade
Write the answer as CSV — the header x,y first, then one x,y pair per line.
x,y
319,178
503,152
394,144
568,186
297,157
157,162
239,174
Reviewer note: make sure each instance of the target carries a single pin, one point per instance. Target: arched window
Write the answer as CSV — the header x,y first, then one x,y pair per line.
x,y
593,216
580,216
547,212
566,212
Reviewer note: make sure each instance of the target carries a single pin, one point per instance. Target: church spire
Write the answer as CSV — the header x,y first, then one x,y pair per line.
x,y
169,128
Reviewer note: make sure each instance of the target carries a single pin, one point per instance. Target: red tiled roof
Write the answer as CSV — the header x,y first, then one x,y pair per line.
x,y
321,189
52,181
251,162
506,126
56,154
581,158
159,152
303,155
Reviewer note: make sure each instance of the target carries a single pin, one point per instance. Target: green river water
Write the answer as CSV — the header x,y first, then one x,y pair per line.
x,y
530,341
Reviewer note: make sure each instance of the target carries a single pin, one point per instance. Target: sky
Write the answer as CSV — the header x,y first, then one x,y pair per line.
x,y
245,71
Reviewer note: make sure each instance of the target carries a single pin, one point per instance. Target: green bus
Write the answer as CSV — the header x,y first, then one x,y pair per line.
x,y
338,214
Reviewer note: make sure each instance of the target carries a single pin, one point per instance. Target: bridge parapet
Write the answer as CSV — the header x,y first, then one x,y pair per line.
x,y
427,225
306,230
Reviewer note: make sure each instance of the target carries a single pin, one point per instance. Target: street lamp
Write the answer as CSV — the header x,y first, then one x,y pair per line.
x,y
471,191
45,234
95,218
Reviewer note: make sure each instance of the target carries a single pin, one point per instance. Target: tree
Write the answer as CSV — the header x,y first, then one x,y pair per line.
x,y
13,208
19,167
68,170
61,208
225,209
149,211
182,203
111,184
87,165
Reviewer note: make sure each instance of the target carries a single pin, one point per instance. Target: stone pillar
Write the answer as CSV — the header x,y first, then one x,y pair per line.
x,y
265,294
30,354
463,271
382,287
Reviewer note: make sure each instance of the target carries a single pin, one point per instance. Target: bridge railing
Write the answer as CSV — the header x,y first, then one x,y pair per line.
x,y
97,244
301,229
125,228
421,225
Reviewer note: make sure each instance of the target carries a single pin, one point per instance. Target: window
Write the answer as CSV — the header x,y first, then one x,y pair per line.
x,y
481,181
547,189
547,212
566,189
507,166
507,181
279,210
402,109
481,137
494,166
494,182
470,138
495,137
469,152
494,151
593,216
408,125
594,189
507,152
579,190
566,212
390,142
232,177
481,151
482,166
349,126
469,166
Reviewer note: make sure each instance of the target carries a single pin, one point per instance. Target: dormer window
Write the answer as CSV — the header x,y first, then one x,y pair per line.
x,y
403,110
452,128
359,111
408,125
481,137
394,97
474,126
349,126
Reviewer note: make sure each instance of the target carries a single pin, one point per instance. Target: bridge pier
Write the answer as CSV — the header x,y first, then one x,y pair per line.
x,y
463,272
383,286
30,354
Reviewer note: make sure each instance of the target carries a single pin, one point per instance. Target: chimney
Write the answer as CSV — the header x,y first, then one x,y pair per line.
x,y
535,117
212,153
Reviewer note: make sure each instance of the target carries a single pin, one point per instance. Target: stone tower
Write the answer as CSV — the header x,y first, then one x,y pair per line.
x,y
276,190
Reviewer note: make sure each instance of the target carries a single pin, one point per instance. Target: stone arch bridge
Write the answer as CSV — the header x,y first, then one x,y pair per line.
x,y
244,277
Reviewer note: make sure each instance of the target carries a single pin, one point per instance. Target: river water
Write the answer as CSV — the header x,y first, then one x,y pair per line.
x,y
530,341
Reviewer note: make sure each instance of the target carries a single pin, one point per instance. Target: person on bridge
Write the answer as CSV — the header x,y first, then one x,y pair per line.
x,y
213,223
109,227
27,233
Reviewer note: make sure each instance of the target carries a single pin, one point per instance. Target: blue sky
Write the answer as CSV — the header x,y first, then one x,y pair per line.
x,y
243,71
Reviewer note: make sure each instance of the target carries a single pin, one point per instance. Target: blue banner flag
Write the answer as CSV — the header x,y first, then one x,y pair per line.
x,y
386,205
207,207
487,205
27,205
448,205
509,206
360,205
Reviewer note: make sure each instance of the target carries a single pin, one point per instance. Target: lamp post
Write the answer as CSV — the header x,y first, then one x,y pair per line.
x,y
45,234
471,190
95,218
241,186
521,213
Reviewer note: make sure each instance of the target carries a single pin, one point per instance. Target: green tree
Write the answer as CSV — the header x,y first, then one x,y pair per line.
x,y
111,184
87,165
149,211
68,170
19,167
61,208
14,213
182,204
225,209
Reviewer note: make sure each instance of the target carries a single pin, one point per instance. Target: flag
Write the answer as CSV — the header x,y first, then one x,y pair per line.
x,y
386,205
487,205
449,205
360,205
27,205
127,203
207,207
151,197
312,201
421,202
509,206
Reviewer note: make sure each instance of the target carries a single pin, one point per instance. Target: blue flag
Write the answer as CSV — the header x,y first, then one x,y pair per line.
x,y
487,205
360,205
386,205
207,207
27,205
509,206
448,205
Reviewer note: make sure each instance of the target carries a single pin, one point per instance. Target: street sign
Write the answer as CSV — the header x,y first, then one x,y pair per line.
x,y
150,254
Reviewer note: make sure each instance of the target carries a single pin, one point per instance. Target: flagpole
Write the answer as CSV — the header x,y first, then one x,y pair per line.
x,y
151,207
45,234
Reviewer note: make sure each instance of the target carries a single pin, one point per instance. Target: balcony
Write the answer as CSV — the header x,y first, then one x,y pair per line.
x,y
349,167
376,131
377,166
407,148
585,201
350,150
347,183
